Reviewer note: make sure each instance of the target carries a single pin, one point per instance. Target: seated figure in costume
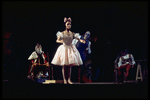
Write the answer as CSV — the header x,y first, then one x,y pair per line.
x,y
39,64
126,61
84,49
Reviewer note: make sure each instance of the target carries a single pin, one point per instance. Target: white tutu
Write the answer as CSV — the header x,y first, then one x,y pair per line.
x,y
67,54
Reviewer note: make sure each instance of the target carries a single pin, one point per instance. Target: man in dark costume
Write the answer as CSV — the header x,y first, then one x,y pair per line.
x,y
84,50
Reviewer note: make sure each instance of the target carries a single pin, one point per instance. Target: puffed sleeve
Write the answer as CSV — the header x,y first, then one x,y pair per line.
x,y
133,62
59,34
74,41
33,56
77,35
120,62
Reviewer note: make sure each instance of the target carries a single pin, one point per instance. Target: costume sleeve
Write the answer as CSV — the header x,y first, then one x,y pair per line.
x,y
46,60
32,61
59,34
89,47
77,35
120,62
74,41
33,56
133,62
44,55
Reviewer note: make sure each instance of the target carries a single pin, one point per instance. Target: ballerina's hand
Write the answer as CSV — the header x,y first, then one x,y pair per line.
x,y
83,41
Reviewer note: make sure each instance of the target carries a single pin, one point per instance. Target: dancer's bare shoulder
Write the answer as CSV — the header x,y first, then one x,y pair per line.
x,y
63,32
73,33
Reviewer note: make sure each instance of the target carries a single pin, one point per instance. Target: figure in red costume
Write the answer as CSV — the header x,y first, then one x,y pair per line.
x,y
126,61
39,63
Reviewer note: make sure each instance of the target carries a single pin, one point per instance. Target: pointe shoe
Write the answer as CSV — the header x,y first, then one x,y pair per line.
x,y
70,82
65,82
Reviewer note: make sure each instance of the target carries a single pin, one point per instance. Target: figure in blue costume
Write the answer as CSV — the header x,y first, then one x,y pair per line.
x,y
84,49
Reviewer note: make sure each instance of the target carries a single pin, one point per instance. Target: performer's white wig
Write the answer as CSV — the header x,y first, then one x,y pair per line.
x,y
38,45
88,32
87,35
38,51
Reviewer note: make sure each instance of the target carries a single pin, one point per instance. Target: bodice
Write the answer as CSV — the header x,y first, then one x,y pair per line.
x,y
67,40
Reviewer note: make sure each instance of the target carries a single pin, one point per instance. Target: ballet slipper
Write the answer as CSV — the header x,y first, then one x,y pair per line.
x,y
65,82
69,81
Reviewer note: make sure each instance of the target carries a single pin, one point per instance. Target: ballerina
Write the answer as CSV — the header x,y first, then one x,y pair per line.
x,y
67,55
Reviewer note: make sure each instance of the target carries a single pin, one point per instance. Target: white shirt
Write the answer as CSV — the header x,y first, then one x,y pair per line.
x,y
120,63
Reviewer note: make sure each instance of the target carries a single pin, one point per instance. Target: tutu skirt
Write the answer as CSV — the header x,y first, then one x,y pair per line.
x,y
67,55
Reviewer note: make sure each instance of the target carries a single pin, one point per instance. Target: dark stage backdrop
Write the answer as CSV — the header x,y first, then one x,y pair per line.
x,y
116,24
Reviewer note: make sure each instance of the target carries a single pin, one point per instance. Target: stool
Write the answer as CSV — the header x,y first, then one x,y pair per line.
x,y
139,68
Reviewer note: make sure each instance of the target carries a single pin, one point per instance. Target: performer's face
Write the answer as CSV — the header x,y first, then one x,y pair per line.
x,y
68,25
38,49
86,36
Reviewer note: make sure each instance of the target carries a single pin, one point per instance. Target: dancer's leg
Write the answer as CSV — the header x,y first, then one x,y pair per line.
x,y
120,74
69,75
64,74
127,70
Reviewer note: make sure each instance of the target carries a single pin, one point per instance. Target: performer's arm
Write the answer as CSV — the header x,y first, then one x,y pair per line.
x,y
89,48
133,62
59,37
47,59
120,62
59,40
33,56
77,37
82,41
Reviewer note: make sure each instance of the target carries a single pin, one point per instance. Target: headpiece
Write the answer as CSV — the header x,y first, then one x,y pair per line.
x,y
67,19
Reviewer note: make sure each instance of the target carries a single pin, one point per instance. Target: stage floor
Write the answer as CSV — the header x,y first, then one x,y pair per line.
x,y
95,90
61,82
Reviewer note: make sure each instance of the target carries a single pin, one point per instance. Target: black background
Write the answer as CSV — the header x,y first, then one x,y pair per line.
x,y
123,24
